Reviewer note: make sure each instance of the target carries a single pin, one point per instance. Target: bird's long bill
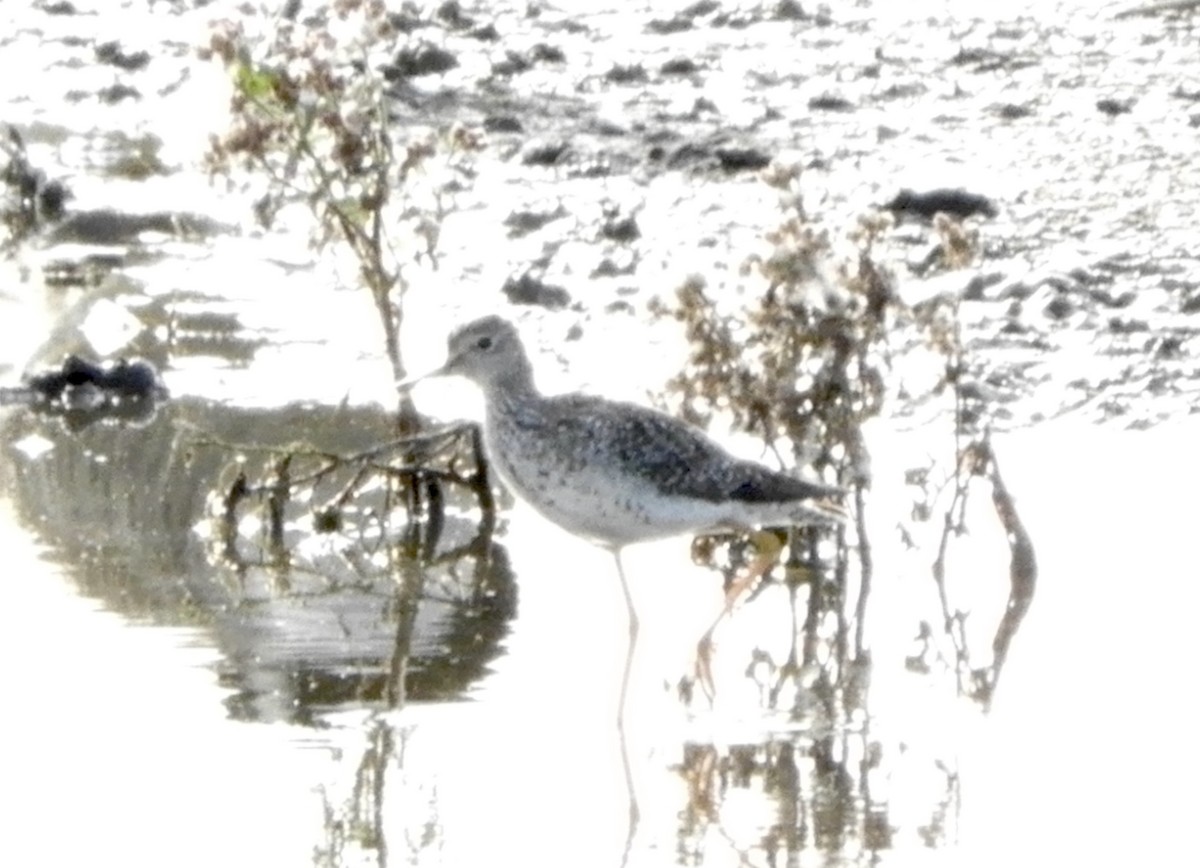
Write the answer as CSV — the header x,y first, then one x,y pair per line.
x,y
412,379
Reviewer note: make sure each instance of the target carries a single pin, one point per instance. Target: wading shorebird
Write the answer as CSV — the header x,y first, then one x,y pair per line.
x,y
616,473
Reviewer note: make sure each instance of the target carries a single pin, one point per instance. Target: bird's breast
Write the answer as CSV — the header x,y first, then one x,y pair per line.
x,y
571,485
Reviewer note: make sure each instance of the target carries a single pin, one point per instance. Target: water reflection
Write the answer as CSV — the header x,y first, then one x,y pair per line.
x,y
314,626
330,624
771,800
817,790
352,622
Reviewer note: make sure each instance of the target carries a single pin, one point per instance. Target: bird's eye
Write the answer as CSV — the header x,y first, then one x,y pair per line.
x,y
484,343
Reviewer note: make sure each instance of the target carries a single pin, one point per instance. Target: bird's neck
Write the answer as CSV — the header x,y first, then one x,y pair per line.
x,y
512,389
516,378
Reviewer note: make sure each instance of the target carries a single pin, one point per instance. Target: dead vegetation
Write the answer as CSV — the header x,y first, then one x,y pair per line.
x,y
803,361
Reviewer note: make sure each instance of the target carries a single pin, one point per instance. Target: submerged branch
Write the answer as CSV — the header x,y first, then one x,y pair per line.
x,y
337,490
1022,576
979,460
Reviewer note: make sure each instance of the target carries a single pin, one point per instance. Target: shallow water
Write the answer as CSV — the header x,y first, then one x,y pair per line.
x,y
171,702
117,743
120,741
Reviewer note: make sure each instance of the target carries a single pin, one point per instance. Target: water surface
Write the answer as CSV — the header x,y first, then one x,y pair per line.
x,y
174,702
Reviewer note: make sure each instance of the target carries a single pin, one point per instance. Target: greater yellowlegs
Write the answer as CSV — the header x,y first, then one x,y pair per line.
x,y
617,473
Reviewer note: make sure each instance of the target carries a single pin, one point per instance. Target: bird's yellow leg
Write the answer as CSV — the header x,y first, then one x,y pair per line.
x,y
767,547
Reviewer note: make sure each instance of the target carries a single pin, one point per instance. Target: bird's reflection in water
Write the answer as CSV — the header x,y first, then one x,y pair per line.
x,y
764,802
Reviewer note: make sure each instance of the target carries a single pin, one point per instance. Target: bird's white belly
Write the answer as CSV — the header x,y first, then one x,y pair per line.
x,y
606,508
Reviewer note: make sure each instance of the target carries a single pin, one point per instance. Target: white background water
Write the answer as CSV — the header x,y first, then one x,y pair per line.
x,y
116,744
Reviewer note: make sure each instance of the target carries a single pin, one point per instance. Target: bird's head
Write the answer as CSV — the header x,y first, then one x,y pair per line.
x,y
487,351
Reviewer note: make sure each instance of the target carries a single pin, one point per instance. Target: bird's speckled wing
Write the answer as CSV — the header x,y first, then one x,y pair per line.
x,y
680,459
